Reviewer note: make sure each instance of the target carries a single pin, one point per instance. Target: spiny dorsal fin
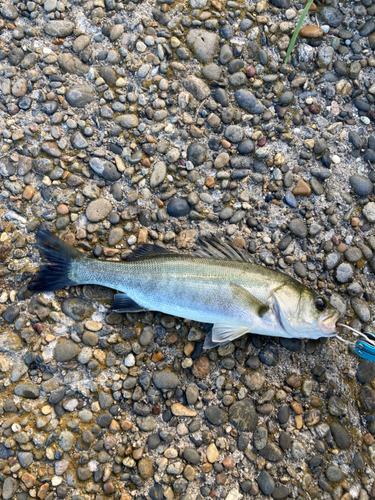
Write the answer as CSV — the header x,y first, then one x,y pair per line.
x,y
147,250
212,247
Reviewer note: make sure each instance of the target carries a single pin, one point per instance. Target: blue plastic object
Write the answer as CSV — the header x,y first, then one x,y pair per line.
x,y
365,351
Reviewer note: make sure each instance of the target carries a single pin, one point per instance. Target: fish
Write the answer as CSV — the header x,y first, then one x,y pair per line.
x,y
218,284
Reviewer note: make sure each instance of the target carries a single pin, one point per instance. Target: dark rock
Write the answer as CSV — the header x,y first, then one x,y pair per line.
x,y
269,355
266,483
249,102
105,169
27,390
196,153
76,308
11,313
340,436
332,16
367,398
178,207
272,453
365,371
243,415
66,350
215,415
361,185
298,228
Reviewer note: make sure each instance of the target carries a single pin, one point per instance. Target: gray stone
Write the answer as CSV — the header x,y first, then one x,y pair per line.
x,y
66,440
59,29
166,380
326,54
146,424
197,87
344,272
73,65
108,74
320,146
205,44
266,483
10,486
78,141
365,371
298,228
362,186
192,456
80,95
340,436
158,174
243,415
298,451
212,72
369,211
336,406
105,169
234,133
105,400
334,474
215,415
98,210
249,102
361,309
196,153
178,207
332,16
237,79
226,54
272,453
192,394
127,121
260,437
66,350
27,390
11,313
25,458
116,235
50,5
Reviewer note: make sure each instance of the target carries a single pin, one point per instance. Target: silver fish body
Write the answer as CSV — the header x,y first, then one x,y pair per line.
x,y
236,296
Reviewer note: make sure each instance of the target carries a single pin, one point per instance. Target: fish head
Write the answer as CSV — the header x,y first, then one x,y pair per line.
x,y
304,314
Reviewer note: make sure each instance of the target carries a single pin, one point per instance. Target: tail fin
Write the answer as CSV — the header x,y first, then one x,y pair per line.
x,y
59,255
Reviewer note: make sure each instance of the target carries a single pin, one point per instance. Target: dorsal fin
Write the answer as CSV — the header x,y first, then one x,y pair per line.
x,y
212,247
148,250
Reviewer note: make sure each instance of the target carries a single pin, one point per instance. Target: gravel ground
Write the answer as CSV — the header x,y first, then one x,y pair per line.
x,y
123,123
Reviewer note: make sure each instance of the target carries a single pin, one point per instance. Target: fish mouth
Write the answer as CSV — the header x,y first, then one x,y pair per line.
x,y
328,324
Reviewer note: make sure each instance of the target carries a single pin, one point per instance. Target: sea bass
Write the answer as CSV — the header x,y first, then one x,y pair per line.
x,y
217,285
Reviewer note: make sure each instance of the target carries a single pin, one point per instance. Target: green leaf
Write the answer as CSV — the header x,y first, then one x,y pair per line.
x,y
296,31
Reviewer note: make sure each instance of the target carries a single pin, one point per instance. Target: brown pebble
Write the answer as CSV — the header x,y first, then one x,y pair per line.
x,y
189,348
159,203
226,144
316,402
180,410
239,242
206,468
354,221
108,488
296,407
28,479
28,193
146,163
110,252
70,239
125,496
62,209
262,142
43,490
265,409
142,236
201,367
302,188
221,478
369,439
158,356
315,109
38,327
341,247
311,31
172,339
126,425
210,182
227,462
336,239
294,381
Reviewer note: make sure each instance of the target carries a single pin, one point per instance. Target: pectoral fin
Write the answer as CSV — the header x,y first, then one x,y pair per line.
x,y
241,297
223,332
123,304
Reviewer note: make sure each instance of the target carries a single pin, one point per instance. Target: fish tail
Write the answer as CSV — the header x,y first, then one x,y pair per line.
x,y
60,258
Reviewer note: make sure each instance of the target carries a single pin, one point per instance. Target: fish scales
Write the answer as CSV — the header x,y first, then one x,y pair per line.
x,y
183,286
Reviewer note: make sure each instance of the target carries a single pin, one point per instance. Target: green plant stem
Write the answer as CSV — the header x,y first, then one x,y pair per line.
x,y
296,31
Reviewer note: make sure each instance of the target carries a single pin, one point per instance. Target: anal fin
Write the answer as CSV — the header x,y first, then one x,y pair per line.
x,y
223,332
123,304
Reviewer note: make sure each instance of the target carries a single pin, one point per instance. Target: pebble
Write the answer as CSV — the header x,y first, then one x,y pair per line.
x,y
249,102
362,186
105,169
243,415
215,415
66,350
178,207
166,380
98,210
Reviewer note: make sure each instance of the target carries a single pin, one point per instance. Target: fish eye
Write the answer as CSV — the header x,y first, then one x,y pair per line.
x,y
320,304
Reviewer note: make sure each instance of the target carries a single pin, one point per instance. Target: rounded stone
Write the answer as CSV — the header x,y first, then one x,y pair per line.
x,y
334,474
66,350
192,456
201,367
196,153
234,133
243,415
344,273
298,228
166,380
158,174
27,390
66,440
215,415
178,207
340,436
269,355
362,186
98,210
80,95
145,468
266,483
